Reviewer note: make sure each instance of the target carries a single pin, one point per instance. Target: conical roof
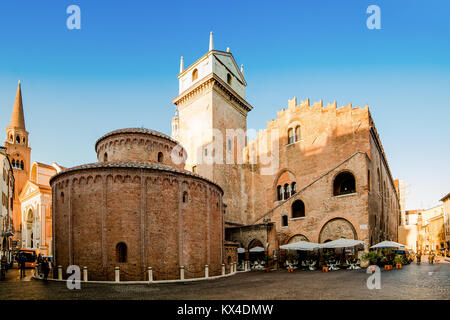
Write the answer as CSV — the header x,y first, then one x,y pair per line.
x,y
17,118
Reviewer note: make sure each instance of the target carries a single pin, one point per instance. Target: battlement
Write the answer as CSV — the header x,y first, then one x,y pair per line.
x,y
342,118
316,106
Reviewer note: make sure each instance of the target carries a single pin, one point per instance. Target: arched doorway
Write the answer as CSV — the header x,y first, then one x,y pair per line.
x,y
30,229
256,255
335,229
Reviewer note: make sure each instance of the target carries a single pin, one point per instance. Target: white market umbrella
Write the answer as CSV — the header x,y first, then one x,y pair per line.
x,y
241,250
301,245
257,249
387,244
342,243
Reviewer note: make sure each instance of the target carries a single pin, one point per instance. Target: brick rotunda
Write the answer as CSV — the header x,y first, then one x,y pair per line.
x,y
137,208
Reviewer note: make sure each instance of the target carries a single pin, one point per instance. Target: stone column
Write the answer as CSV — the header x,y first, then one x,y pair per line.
x,y
117,274
182,273
85,273
150,274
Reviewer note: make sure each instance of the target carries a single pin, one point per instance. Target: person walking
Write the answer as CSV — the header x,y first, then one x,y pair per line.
x,y
4,266
418,256
45,268
39,262
21,262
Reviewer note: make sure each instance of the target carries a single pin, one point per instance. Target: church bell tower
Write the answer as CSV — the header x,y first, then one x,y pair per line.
x,y
17,147
211,111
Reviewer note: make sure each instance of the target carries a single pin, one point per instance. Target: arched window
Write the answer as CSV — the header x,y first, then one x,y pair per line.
x,y
194,169
185,197
293,188
379,181
21,165
23,140
18,139
298,209
279,193
160,157
121,252
229,79
105,157
194,75
11,138
62,197
284,221
13,163
290,136
286,192
344,183
297,133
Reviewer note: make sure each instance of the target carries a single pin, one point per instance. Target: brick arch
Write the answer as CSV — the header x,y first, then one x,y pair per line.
x,y
297,237
255,243
277,178
339,172
336,228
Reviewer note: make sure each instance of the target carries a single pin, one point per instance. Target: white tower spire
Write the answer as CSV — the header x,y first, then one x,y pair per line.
x,y
181,65
211,42
242,68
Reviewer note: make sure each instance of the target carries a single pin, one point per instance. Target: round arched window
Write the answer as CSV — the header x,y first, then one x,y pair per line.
x,y
344,183
121,252
229,79
194,75
298,209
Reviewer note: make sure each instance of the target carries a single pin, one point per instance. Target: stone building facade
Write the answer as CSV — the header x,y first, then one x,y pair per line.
x,y
32,193
446,203
6,208
137,208
317,171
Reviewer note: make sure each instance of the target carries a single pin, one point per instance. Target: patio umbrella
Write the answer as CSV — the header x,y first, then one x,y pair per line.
x,y
240,250
387,244
301,245
342,243
257,249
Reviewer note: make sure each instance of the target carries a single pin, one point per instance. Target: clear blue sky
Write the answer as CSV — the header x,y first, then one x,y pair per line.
x,y
120,70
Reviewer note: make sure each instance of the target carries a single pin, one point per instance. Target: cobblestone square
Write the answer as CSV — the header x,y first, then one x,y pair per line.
x,y
425,281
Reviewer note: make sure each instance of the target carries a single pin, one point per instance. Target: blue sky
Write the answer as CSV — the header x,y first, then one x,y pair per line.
x,y
120,70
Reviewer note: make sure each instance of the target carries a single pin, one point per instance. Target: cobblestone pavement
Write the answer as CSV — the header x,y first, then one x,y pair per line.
x,y
412,282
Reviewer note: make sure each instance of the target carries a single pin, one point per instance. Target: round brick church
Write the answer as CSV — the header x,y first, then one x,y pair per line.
x,y
137,208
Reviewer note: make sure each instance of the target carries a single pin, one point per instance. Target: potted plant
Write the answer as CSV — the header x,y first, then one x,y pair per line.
x,y
269,261
372,257
291,258
398,260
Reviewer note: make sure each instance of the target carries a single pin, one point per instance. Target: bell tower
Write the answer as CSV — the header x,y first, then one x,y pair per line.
x,y
17,147
210,110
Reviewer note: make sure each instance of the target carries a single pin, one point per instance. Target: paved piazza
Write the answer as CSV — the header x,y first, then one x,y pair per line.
x,y
412,282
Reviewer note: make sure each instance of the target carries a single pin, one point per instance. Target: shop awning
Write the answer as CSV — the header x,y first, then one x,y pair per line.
x,y
241,250
387,244
257,249
342,243
301,245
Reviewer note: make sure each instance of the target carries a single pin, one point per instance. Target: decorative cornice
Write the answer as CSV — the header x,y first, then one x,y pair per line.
x,y
214,80
132,165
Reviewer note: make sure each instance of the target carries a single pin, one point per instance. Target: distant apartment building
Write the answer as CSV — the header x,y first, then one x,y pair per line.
x,y
446,204
7,191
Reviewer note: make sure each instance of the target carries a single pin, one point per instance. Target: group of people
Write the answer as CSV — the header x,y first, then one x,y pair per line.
x,y
43,266
431,257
